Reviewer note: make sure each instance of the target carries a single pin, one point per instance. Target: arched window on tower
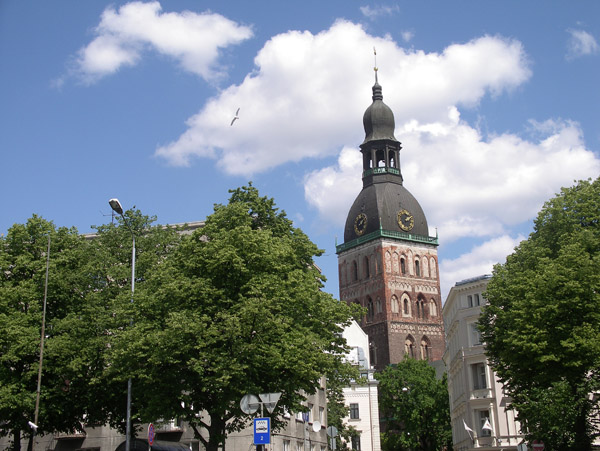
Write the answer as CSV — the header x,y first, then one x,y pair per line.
x,y
421,308
392,155
395,306
378,308
354,271
409,346
432,267
417,267
432,307
403,265
367,269
380,158
370,309
425,266
406,310
395,263
373,353
388,262
425,348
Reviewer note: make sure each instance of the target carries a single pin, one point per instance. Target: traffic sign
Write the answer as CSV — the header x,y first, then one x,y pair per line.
x,y
150,434
262,431
537,445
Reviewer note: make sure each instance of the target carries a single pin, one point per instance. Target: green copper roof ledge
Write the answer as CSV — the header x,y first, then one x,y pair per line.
x,y
386,234
382,170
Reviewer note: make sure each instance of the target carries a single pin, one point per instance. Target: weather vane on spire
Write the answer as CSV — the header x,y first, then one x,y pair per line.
x,y
375,68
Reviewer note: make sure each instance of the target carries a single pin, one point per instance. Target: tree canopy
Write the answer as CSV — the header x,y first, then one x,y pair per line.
x,y
88,285
415,407
234,308
542,324
23,256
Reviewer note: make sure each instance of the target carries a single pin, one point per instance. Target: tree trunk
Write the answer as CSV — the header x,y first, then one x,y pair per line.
x,y
582,438
17,440
216,434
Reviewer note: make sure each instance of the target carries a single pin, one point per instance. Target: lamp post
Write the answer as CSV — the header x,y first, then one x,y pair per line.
x,y
117,208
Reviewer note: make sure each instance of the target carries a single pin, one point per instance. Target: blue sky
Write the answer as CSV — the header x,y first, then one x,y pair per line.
x,y
496,106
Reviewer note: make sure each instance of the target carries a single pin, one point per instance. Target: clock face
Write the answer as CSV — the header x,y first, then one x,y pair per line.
x,y
360,224
406,221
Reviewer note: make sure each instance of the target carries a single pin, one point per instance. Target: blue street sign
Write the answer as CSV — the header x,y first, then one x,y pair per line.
x,y
262,431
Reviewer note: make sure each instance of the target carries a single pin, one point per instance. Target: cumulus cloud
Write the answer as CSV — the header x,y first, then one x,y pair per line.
x,y
488,185
478,261
581,43
308,93
192,39
372,12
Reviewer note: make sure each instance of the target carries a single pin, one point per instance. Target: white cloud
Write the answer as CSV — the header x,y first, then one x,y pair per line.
x,y
192,39
479,261
407,36
308,92
488,186
372,12
581,43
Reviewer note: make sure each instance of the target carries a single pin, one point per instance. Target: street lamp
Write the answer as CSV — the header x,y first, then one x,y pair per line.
x,y
117,208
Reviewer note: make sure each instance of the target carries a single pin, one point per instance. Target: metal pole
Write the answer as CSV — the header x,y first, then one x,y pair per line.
x,y
128,417
39,381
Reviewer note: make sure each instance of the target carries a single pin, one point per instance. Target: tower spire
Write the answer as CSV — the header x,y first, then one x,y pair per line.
x,y
375,67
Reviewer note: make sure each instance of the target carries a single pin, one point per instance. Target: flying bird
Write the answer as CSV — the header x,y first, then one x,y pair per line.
x,y
237,116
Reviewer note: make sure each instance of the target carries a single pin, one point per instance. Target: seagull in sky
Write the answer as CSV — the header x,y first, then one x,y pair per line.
x,y
237,116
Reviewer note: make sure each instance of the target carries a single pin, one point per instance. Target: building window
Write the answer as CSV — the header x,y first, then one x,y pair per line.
x,y
432,307
484,417
417,268
409,347
378,306
406,305
420,308
469,301
370,309
367,269
425,349
354,272
475,335
394,304
478,374
373,353
356,442
322,415
476,299
286,445
299,446
403,265
354,414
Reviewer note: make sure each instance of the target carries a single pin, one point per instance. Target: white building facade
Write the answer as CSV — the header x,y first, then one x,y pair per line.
x,y
478,404
362,399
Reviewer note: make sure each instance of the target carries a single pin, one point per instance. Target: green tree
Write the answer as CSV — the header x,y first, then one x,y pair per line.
x,y
109,312
23,256
415,406
235,308
88,299
542,324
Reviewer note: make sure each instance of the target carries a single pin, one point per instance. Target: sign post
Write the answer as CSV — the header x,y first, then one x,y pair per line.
x,y
262,431
150,434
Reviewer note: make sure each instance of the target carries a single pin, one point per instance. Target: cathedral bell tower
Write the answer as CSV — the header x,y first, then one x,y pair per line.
x,y
388,262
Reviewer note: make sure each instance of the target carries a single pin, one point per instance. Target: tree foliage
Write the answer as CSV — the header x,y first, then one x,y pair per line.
x,y
88,294
23,256
542,324
415,407
235,308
